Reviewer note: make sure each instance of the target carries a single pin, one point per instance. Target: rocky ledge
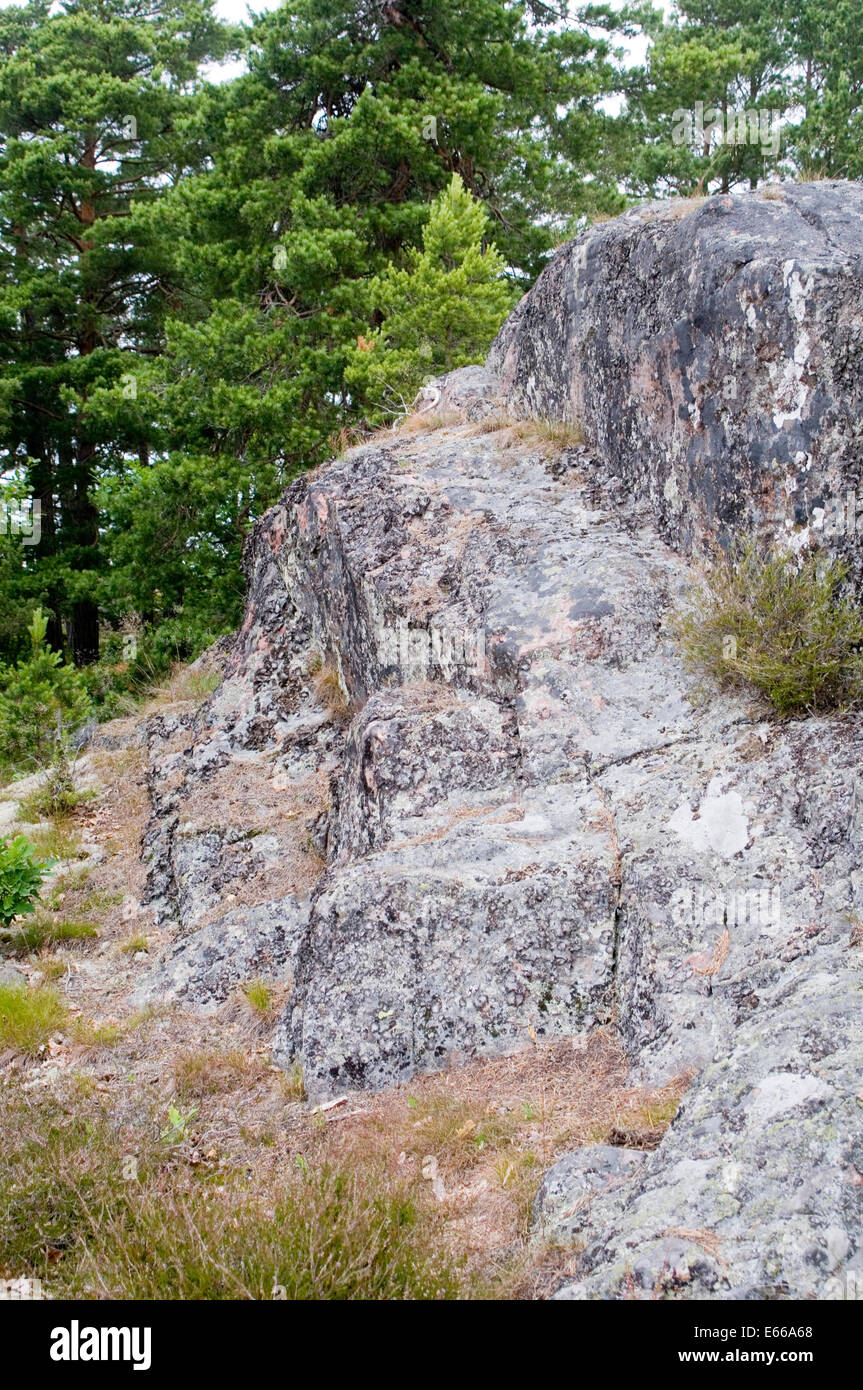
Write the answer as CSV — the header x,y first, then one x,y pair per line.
x,y
456,793
713,350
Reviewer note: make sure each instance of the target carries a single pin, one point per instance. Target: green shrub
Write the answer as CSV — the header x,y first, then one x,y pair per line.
x,y
20,878
780,626
39,697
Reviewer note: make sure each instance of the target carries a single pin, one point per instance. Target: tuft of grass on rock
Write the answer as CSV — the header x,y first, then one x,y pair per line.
x,y
779,626
331,691
42,931
292,1084
550,437
185,685
207,1072
427,421
28,1017
105,1033
260,997
134,944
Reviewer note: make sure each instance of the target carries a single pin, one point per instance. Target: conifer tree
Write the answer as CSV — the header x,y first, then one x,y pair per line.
x,y
93,95
439,312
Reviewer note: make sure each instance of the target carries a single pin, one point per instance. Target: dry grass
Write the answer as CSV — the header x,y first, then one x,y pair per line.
x,y
772,193
414,422
99,1211
348,437
212,1072
678,208
550,437
330,690
480,1136
424,422
450,1163
186,686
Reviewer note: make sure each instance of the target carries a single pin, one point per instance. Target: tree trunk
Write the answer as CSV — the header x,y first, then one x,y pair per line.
x,y
42,484
84,632
82,529
82,513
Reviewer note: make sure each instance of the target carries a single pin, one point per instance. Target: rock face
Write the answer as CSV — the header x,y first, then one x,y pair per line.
x,y
455,792
713,351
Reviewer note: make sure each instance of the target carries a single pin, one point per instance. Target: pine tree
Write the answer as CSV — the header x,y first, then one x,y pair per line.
x,y
826,40
327,156
40,698
93,94
439,312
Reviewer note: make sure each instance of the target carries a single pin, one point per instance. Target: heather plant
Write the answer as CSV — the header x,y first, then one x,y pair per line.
x,y
779,625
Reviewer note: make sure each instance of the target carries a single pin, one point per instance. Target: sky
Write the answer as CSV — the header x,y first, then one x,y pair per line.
x,y
236,10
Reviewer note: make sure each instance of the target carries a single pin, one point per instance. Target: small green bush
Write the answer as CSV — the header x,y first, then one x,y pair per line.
x,y
20,878
780,626
440,310
39,697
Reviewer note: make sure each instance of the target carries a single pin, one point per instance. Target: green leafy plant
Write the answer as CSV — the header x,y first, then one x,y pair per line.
x,y
179,1122
777,625
21,878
